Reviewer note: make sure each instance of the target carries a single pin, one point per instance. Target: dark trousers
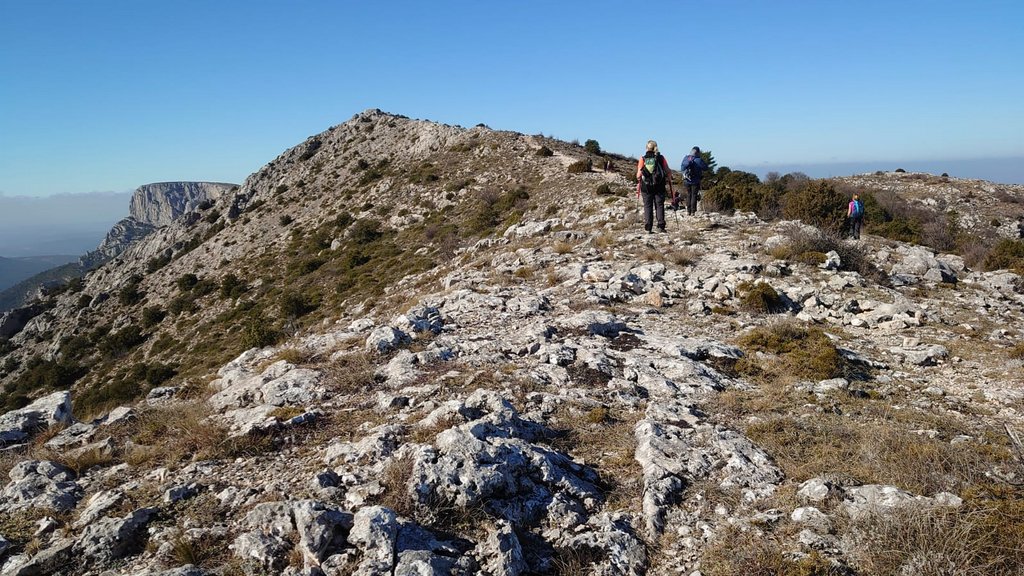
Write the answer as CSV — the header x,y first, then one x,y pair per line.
x,y
855,223
654,204
692,195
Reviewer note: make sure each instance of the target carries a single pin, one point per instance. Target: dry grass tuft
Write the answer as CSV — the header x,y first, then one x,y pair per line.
x,y
561,247
395,480
351,374
683,257
751,553
296,356
608,446
981,537
805,353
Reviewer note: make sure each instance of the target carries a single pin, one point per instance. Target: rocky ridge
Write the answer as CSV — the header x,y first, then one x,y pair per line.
x,y
153,206
565,395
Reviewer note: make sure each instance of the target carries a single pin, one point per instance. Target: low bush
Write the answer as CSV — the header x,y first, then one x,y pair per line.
x,y
818,204
259,334
152,315
581,166
232,287
295,305
802,353
1006,254
121,342
760,297
185,282
130,295
544,152
810,246
494,209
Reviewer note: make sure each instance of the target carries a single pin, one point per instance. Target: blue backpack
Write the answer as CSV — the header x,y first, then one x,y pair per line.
x,y
858,208
691,169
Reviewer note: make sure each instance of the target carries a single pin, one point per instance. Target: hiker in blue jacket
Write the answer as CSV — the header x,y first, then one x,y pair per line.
x,y
693,168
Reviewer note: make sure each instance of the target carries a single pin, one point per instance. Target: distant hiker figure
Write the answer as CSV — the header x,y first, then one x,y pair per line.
x,y
693,168
855,213
652,175
607,165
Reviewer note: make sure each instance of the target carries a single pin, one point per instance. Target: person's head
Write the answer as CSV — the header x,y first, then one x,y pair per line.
x,y
856,196
695,151
652,146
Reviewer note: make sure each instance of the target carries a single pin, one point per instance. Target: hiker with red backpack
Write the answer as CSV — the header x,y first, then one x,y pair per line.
x,y
692,167
652,174
855,212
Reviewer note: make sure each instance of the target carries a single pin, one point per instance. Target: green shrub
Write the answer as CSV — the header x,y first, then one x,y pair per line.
x,y
42,374
84,300
163,343
305,266
121,342
806,245
604,190
592,147
365,231
259,334
581,166
804,353
157,262
818,204
343,220
285,220
544,152
493,209
157,374
183,304
425,173
186,282
1007,254
152,315
232,287
130,295
295,305
760,297
204,287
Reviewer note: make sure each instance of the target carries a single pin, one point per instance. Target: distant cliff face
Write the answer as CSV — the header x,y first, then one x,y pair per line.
x,y
162,203
153,206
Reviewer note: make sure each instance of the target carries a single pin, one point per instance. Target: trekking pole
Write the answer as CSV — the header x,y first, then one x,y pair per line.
x,y
675,202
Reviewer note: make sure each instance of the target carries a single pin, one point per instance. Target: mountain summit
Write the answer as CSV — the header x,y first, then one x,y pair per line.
x,y
403,347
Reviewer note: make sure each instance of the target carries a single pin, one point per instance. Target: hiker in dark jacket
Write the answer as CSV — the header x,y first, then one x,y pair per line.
x,y
693,168
652,174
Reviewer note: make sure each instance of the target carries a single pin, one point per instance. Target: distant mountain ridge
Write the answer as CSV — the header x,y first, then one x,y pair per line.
x,y
14,270
152,206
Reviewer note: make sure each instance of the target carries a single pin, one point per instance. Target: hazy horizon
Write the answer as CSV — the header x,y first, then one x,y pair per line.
x,y
996,170
60,224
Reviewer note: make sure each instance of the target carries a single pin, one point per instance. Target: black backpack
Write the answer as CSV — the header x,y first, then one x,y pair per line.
x,y
653,173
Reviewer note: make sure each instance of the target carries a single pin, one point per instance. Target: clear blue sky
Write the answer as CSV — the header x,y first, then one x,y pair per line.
x,y
106,95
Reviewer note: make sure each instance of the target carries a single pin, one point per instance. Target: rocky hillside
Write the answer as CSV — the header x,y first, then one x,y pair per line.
x,y
408,348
